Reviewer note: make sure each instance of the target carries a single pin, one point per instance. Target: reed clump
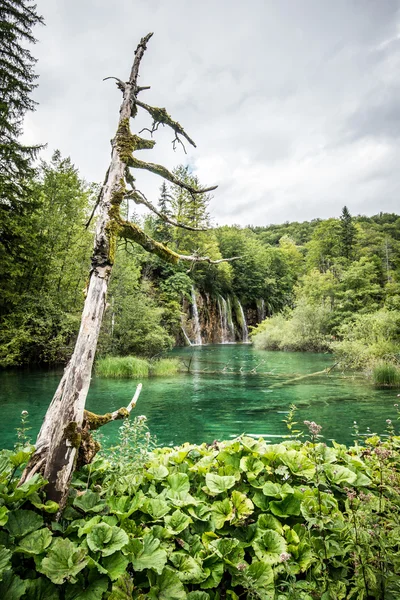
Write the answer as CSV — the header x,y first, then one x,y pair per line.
x,y
132,367
386,375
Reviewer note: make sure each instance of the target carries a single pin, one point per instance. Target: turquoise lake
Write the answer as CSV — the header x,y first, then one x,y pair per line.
x,y
221,399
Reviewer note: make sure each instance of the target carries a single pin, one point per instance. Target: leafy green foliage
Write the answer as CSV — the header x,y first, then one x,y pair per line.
x,y
284,524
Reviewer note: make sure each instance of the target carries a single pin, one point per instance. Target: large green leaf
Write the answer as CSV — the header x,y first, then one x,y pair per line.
x,y
177,522
12,587
221,511
269,522
257,577
298,463
156,507
90,502
166,586
188,569
272,490
122,589
115,565
41,589
49,506
86,527
251,465
218,484
106,539
36,542
3,515
338,474
179,483
21,457
24,491
243,507
214,567
289,506
198,596
148,554
269,547
5,559
94,591
178,490
63,561
21,522
158,472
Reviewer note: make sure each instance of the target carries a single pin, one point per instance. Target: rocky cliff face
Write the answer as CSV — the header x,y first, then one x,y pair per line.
x,y
217,320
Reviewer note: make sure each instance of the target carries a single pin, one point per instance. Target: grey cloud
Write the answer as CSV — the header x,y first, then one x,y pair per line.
x,y
293,105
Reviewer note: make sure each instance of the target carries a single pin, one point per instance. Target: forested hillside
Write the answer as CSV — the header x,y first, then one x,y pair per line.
x,y
322,280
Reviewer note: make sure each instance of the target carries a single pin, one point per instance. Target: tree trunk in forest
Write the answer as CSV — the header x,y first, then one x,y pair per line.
x,y
60,434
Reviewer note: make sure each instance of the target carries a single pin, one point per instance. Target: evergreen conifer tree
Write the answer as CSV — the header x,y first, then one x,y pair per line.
x,y
17,81
348,233
163,228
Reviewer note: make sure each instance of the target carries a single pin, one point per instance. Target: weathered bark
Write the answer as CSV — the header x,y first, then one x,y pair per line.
x,y
60,436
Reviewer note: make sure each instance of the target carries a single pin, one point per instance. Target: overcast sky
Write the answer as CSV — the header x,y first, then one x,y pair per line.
x,y
294,104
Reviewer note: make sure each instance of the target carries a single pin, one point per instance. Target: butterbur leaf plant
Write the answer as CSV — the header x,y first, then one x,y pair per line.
x,y
237,519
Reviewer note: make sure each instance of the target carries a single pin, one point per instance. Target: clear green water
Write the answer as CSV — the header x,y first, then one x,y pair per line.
x,y
206,406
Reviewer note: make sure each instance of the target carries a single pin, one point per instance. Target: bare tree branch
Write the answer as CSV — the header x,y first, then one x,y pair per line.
x,y
163,172
160,115
96,421
121,85
131,231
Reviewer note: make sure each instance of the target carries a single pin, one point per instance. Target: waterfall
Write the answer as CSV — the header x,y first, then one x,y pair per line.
x,y
261,314
244,324
231,327
197,330
223,315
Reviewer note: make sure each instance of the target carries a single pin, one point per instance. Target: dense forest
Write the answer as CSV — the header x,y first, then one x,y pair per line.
x,y
322,284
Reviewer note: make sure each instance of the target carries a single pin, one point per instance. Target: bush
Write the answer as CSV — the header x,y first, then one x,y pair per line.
x,y
368,339
304,329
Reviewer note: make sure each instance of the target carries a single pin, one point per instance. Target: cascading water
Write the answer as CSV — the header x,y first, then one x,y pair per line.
x,y
245,331
231,327
196,322
223,315
261,313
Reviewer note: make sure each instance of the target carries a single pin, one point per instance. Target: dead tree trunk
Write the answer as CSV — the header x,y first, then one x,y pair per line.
x,y
60,435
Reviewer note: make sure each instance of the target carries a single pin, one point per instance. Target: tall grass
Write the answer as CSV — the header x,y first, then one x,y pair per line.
x,y
164,367
122,367
131,367
386,375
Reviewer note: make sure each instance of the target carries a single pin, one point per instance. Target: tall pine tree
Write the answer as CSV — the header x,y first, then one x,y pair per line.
x,y
348,233
17,81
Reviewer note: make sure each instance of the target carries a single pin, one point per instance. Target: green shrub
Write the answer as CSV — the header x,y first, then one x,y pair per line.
x,y
128,367
304,329
386,375
369,338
